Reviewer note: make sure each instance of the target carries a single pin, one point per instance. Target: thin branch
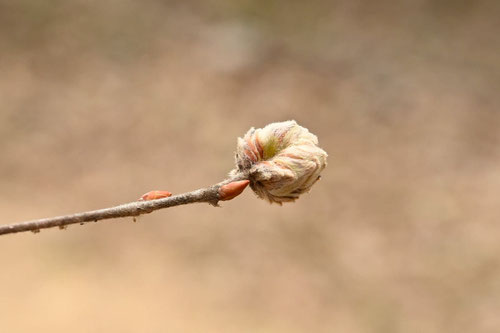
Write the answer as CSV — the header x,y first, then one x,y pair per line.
x,y
209,195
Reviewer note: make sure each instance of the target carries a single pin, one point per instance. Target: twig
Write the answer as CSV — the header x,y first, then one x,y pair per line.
x,y
211,195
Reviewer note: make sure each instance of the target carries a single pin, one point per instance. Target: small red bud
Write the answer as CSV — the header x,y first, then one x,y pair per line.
x,y
153,195
232,190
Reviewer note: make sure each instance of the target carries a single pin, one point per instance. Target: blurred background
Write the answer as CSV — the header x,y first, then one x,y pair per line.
x,y
101,101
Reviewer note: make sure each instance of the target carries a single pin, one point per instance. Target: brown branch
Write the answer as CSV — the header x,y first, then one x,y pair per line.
x,y
211,195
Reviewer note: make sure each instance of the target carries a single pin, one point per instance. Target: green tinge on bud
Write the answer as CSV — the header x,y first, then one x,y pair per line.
x,y
283,160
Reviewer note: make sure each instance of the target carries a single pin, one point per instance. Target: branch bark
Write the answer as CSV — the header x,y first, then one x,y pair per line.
x,y
209,195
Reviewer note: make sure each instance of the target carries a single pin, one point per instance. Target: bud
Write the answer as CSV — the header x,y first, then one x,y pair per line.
x,y
153,195
232,190
283,160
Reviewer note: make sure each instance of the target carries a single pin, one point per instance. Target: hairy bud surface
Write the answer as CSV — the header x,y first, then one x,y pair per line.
x,y
283,160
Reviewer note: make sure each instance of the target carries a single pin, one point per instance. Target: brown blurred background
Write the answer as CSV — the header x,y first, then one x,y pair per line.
x,y
101,101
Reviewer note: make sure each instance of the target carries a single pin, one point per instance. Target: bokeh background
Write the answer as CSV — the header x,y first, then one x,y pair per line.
x,y
101,101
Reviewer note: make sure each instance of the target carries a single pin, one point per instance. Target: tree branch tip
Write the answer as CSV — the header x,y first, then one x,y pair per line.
x,y
135,209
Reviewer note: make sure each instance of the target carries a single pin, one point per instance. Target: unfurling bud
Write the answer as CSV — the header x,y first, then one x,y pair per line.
x,y
283,160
